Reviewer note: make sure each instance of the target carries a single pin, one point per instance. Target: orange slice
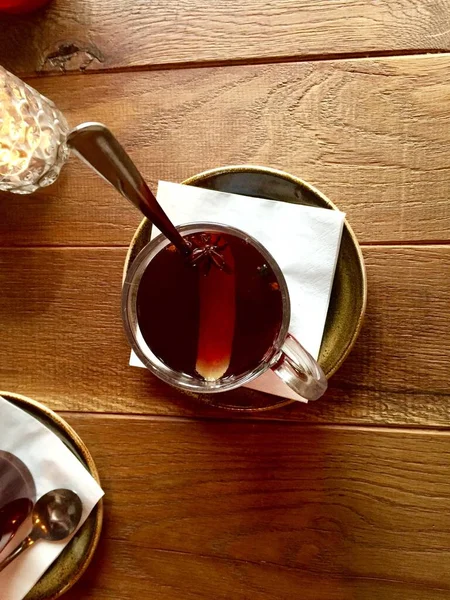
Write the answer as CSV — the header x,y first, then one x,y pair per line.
x,y
217,292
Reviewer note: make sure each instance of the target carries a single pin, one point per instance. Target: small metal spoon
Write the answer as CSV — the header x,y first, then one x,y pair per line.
x,y
55,516
96,145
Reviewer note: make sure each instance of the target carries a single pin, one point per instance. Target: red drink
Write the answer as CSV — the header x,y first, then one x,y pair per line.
x,y
17,495
216,314
21,6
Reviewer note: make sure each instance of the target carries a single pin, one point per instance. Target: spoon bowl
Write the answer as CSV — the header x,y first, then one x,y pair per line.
x,y
55,516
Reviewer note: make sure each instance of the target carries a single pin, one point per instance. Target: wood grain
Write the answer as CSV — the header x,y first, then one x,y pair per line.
x,y
88,34
64,342
272,506
372,134
239,510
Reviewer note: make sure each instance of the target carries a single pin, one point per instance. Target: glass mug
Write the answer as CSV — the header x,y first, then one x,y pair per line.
x,y
285,356
17,495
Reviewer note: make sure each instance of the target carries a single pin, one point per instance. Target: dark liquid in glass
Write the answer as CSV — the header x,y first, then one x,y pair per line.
x,y
17,495
217,317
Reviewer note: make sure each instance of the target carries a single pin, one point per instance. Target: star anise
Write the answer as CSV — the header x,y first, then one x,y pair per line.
x,y
208,252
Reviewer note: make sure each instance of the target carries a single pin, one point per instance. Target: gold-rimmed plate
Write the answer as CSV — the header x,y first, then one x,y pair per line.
x,y
76,556
349,292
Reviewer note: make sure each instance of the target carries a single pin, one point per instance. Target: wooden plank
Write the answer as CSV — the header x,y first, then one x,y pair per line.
x,y
63,341
83,34
369,133
273,511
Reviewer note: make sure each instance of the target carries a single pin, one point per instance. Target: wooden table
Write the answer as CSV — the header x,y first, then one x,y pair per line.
x,y
347,498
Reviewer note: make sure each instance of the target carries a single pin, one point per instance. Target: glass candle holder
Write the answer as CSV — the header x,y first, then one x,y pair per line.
x,y
32,137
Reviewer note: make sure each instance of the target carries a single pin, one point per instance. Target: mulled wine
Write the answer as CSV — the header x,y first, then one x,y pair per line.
x,y
17,495
214,314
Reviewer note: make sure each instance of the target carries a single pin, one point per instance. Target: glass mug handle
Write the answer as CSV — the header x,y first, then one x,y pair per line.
x,y
298,369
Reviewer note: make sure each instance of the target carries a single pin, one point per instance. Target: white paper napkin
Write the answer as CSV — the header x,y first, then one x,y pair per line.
x,y
303,240
52,466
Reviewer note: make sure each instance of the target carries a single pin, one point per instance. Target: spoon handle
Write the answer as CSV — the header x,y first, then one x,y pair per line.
x,y
96,145
24,545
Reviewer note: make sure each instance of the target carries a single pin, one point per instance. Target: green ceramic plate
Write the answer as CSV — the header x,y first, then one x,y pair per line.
x,y
348,296
76,556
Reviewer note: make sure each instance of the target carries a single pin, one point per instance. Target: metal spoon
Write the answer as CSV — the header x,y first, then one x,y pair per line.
x,y
96,145
55,516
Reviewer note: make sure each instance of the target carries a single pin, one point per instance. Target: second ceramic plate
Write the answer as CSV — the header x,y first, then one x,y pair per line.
x,y
76,556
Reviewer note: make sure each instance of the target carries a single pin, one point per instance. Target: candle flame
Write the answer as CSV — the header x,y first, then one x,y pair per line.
x,y
19,136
